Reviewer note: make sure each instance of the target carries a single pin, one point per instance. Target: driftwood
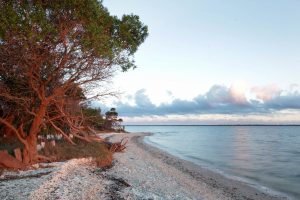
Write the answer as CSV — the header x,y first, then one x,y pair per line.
x,y
117,146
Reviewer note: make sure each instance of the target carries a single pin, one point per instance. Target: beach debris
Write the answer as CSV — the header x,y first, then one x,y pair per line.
x,y
118,146
16,177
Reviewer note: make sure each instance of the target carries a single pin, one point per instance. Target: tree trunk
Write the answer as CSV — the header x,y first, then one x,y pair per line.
x,y
38,120
30,153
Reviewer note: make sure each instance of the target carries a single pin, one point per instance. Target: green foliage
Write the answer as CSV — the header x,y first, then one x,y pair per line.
x,y
91,25
111,114
93,117
52,54
75,92
112,122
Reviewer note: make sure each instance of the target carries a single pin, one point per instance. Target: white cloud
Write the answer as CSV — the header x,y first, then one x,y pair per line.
x,y
217,100
266,93
217,119
218,104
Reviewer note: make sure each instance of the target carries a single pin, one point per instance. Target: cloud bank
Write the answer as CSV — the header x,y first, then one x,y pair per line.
x,y
218,100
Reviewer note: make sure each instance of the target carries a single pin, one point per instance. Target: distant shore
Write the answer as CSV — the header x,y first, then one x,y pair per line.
x,y
141,172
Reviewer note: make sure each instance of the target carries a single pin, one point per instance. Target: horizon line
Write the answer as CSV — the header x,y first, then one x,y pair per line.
x,y
212,125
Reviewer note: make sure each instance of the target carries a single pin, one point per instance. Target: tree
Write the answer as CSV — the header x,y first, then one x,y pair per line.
x,y
111,114
51,49
93,117
111,119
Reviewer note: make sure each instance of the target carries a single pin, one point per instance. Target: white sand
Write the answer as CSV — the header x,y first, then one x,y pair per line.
x,y
141,172
74,179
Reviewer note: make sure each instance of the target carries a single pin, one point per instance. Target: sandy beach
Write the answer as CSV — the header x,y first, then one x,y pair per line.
x,y
141,172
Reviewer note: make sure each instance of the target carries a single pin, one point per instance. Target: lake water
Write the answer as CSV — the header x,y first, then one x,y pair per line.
x,y
268,156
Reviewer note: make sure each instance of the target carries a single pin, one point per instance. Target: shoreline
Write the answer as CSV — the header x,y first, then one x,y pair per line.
x,y
218,172
142,171
199,183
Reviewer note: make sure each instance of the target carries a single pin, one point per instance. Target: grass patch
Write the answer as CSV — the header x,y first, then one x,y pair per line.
x,y
65,151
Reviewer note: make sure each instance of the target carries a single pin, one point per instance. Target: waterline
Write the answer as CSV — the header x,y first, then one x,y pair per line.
x,y
267,155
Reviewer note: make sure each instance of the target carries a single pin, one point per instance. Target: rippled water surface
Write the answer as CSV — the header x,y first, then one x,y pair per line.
x,y
267,155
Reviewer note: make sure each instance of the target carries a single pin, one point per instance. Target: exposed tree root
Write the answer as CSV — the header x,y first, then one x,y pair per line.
x,y
8,161
45,158
118,146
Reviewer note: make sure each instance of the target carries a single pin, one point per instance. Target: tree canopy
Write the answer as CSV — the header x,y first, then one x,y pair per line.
x,y
53,52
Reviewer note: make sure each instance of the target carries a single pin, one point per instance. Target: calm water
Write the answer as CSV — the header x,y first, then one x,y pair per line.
x,y
265,155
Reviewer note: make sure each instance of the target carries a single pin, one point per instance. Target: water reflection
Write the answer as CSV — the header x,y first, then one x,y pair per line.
x,y
268,155
242,148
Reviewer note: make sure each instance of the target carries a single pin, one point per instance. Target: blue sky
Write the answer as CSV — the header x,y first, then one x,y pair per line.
x,y
240,57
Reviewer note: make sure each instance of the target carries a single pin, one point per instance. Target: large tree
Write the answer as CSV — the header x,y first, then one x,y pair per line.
x,y
51,51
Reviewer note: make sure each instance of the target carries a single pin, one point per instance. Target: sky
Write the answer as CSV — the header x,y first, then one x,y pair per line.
x,y
212,62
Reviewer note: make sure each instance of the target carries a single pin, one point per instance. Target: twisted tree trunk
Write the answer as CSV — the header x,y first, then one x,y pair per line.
x,y
30,152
